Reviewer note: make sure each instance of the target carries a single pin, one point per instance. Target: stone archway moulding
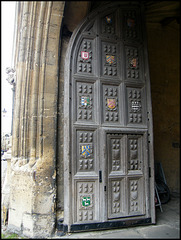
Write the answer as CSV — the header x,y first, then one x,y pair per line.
x,y
33,181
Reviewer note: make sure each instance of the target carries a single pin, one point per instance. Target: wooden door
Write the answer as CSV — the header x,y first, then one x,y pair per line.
x,y
109,121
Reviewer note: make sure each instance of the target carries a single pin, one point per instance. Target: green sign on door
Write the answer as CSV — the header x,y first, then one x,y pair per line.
x,y
85,201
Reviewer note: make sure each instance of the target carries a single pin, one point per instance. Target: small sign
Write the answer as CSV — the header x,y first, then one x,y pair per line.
x,y
110,59
108,19
85,100
133,62
86,150
111,103
136,106
86,201
130,22
84,55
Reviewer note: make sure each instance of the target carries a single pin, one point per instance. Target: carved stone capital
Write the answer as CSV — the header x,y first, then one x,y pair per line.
x,y
11,72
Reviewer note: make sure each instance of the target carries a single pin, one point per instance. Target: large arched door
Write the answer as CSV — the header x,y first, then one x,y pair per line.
x,y
108,122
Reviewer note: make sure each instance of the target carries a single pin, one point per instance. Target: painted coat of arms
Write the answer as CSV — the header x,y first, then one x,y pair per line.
x,y
86,201
108,19
86,150
111,103
135,106
130,22
133,62
85,101
84,55
110,59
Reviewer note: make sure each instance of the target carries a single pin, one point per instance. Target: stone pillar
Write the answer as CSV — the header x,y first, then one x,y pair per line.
x,y
33,166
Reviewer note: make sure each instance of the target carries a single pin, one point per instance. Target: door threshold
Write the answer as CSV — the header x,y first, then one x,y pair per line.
x,y
83,227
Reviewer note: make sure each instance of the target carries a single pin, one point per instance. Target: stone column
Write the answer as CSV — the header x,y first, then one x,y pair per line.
x,y
33,177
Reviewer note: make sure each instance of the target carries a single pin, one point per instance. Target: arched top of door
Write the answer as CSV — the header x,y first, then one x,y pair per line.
x,y
109,21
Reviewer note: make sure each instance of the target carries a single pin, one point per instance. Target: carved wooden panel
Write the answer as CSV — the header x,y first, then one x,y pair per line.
x,y
109,60
135,153
132,63
117,194
135,105
110,104
136,192
85,197
117,154
108,24
85,102
85,63
131,25
116,151
85,151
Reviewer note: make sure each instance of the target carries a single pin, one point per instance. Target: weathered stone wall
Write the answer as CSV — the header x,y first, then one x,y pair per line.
x,y
33,180
164,62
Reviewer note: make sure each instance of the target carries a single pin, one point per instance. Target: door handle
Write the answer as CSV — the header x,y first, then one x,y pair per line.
x,y
100,176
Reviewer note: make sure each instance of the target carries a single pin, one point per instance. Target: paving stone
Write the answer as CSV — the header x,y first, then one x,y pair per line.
x,y
163,231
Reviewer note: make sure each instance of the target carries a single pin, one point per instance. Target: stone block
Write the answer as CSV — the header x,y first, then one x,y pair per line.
x,y
20,192
45,203
58,7
50,101
49,148
51,84
51,58
44,226
53,31
14,219
53,44
27,222
51,71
